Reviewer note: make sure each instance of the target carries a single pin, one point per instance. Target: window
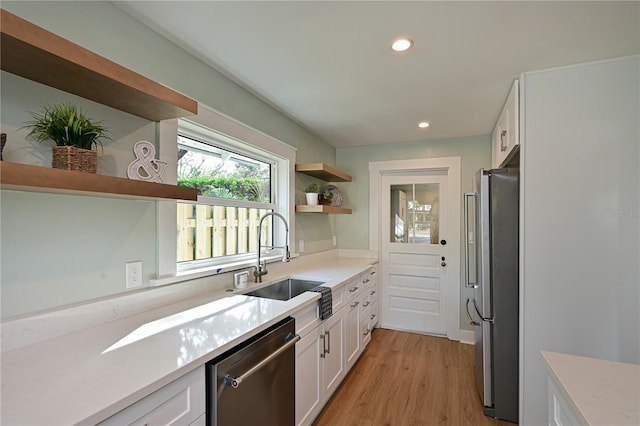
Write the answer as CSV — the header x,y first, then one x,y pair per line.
x,y
237,184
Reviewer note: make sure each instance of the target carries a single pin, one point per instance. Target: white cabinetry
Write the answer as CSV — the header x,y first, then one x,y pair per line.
x,y
181,402
352,326
560,410
334,359
368,306
506,136
309,397
320,366
328,349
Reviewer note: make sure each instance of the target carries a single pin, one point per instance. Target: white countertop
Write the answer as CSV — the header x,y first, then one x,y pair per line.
x,y
87,376
603,392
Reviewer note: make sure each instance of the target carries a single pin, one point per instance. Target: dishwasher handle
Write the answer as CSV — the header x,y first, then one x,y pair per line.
x,y
234,381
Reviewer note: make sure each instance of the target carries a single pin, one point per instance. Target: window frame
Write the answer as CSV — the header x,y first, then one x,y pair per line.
x,y
245,140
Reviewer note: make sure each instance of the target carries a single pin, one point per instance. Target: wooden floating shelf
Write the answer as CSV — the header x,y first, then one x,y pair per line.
x,y
24,177
323,171
32,52
304,208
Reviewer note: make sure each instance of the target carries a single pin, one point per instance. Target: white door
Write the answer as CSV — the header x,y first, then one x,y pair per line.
x,y
414,250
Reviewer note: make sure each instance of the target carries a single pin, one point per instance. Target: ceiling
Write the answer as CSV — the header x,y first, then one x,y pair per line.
x,y
328,64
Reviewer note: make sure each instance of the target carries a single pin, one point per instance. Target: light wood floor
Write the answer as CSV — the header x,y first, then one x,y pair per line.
x,y
408,379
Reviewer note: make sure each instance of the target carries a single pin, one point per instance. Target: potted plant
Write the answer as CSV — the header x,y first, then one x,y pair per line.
x,y
326,197
74,134
312,191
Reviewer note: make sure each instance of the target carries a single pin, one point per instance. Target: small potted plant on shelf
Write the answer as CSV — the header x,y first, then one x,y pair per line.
x,y
74,134
312,191
326,197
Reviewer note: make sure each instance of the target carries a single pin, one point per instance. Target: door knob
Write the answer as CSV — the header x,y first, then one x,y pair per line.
x,y
443,242
443,263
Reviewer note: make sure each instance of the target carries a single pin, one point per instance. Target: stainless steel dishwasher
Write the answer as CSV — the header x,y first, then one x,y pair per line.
x,y
254,383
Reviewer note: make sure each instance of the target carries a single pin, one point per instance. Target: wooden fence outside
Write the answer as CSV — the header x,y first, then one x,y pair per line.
x,y
214,231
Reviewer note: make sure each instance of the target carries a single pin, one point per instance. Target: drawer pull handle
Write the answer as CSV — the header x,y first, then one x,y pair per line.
x,y
354,304
373,316
367,303
366,280
367,331
372,293
352,289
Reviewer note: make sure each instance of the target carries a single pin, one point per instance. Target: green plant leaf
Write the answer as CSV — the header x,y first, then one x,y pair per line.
x,y
65,124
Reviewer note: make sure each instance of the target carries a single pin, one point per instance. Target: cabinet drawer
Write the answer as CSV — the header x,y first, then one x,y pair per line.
x,y
365,306
365,332
353,288
181,402
307,319
373,294
337,295
373,315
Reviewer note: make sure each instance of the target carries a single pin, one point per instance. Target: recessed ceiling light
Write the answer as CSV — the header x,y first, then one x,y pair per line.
x,y
401,44
423,124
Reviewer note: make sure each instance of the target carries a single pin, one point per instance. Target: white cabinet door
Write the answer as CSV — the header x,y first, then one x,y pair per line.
x,y
500,139
352,333
334,359
181,402
560,411
506,132
513,119
309,374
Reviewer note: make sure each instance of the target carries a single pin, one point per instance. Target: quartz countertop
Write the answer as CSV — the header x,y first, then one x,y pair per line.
x,y
87,376
603,392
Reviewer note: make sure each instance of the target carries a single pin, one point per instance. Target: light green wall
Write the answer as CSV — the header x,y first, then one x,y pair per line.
x,y
90,252
353,230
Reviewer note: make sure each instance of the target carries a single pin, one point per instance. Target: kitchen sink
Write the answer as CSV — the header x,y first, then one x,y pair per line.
x,y
285,289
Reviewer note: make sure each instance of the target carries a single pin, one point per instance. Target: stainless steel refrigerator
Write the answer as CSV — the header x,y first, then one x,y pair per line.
x,y
491,269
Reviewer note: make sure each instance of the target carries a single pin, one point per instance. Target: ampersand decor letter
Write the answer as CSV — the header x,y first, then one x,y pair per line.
x,y
145,166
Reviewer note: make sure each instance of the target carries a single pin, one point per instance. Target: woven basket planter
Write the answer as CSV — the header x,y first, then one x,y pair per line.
x,y
76,159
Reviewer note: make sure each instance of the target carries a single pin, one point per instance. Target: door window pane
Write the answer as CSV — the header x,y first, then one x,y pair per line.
x,y
415,213
425,209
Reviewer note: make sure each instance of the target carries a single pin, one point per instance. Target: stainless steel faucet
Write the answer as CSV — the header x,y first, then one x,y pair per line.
x,y
261,267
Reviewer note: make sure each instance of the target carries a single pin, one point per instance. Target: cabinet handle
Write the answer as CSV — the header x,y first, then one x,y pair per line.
x,y
503,140
467,282
367,303
367,331
366,280
354,304
372,293
328,340
373,316
324,350
352,289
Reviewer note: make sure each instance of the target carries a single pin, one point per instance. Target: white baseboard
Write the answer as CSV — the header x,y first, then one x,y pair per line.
x,y
467,337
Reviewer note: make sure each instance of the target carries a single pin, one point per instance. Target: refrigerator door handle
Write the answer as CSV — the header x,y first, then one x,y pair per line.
x,y
479,314
467,282
471,320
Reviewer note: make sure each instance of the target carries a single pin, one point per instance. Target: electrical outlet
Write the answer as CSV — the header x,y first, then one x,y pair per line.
x,y
301,246
134,274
